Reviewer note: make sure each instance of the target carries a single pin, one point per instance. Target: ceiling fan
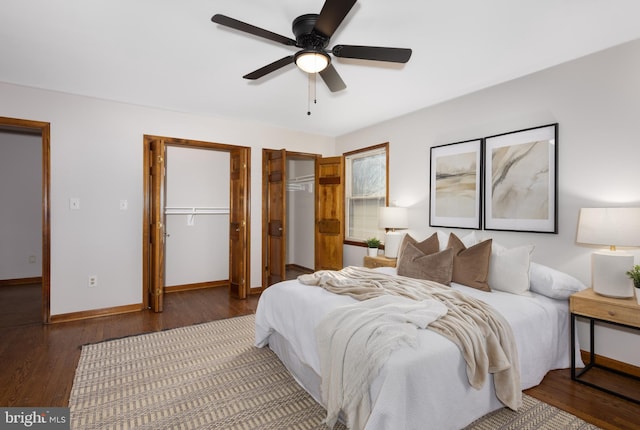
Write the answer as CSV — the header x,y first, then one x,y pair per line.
x,y
312,32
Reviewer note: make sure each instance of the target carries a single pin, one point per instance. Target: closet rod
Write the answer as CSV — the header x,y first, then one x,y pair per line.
x,y
304,178
197,210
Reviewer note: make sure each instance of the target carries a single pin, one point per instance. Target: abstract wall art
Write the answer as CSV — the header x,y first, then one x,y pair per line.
x,y
456,185
520,175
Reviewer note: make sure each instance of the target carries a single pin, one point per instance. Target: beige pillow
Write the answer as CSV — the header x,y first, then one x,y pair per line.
x,y
436,267
469,239
428,246
471,265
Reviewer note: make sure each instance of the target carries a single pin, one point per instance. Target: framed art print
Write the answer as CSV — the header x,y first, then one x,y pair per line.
x,y
456,185
521,180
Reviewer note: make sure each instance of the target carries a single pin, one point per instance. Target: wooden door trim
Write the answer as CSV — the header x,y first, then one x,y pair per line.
x,y
146,216
44,129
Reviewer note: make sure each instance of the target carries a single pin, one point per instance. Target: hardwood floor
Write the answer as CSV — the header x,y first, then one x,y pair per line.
x,y
38,362
20,304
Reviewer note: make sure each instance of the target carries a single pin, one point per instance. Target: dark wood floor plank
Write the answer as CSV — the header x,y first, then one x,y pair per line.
x,y
37,362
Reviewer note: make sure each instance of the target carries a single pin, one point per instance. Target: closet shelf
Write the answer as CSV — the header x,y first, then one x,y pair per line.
x,y
196,210
301,183
301,179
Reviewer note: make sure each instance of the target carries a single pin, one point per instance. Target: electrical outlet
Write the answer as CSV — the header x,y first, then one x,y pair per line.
x,y
93,281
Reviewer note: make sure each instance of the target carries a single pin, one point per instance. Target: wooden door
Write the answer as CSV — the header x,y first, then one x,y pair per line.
x,y
157,225
274,177
238,224
329,233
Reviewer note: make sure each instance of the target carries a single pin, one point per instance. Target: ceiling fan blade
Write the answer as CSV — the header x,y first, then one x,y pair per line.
x,y
333,80
394,55
251,29
256,74
332,14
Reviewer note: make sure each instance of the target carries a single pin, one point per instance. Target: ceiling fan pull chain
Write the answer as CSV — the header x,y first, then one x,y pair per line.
x,y
312,91
315,88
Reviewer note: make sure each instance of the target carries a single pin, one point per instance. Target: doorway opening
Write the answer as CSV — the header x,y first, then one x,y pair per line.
x,y
289,215
300,203
24,221
184,207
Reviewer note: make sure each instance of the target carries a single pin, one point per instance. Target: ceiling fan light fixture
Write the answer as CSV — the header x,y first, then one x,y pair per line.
x,y
311,61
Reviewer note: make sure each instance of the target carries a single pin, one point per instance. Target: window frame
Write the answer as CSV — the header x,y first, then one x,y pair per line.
x,y
360,153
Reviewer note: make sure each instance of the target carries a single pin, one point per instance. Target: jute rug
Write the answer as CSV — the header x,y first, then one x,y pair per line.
x,y
210,376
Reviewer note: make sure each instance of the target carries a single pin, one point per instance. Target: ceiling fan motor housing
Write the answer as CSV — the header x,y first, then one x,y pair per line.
x,y
306,37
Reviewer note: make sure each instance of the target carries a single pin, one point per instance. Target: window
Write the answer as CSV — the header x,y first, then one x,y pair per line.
x,y
366,190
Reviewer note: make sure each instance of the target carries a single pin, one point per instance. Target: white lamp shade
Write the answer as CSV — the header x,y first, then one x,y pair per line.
x,y
609,226
393,217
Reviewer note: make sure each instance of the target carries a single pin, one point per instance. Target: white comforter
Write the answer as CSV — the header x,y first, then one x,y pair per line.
x,y
424,387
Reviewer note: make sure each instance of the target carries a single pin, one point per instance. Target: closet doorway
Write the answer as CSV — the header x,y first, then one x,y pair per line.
x,y
179,211
24,221
289,214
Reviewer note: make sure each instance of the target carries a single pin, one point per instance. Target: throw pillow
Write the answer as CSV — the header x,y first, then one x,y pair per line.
x,y
509,269
436,267
471,265
428,246
468,239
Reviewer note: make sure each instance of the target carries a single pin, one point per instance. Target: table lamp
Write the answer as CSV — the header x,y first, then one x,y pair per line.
x,y
392,218
610,227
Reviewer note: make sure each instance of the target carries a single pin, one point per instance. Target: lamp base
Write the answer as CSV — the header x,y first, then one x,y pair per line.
x,y
392,242
609,274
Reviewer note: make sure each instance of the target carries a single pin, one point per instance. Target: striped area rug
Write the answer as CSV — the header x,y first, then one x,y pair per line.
x,y
210,376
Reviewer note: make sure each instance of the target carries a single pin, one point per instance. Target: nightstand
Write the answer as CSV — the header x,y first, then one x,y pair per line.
x,y
594,307
379,261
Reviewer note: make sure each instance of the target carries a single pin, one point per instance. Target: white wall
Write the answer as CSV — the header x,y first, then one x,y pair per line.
x,y
20,205
595,100
96,156
197,246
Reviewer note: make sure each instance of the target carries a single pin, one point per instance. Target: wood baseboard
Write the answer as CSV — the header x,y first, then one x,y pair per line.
x,y
20,281
196,286
611,363
298,267
95,313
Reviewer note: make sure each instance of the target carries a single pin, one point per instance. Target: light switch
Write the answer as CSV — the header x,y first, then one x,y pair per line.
x,y
124,205
74,204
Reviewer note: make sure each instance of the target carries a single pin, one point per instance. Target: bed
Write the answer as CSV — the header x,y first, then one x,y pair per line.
x,y
425,385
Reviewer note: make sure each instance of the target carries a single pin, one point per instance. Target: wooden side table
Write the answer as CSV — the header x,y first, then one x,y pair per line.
x,y
594,307
379,261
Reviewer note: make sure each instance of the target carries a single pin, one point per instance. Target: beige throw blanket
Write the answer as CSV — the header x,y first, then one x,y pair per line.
x,y
484,337
372,328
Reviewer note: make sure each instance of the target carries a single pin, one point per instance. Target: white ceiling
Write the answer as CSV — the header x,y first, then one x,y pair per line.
x,y
168,53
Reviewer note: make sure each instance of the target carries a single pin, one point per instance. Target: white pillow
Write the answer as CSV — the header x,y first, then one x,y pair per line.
x,y
509,269
553,283
468,241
